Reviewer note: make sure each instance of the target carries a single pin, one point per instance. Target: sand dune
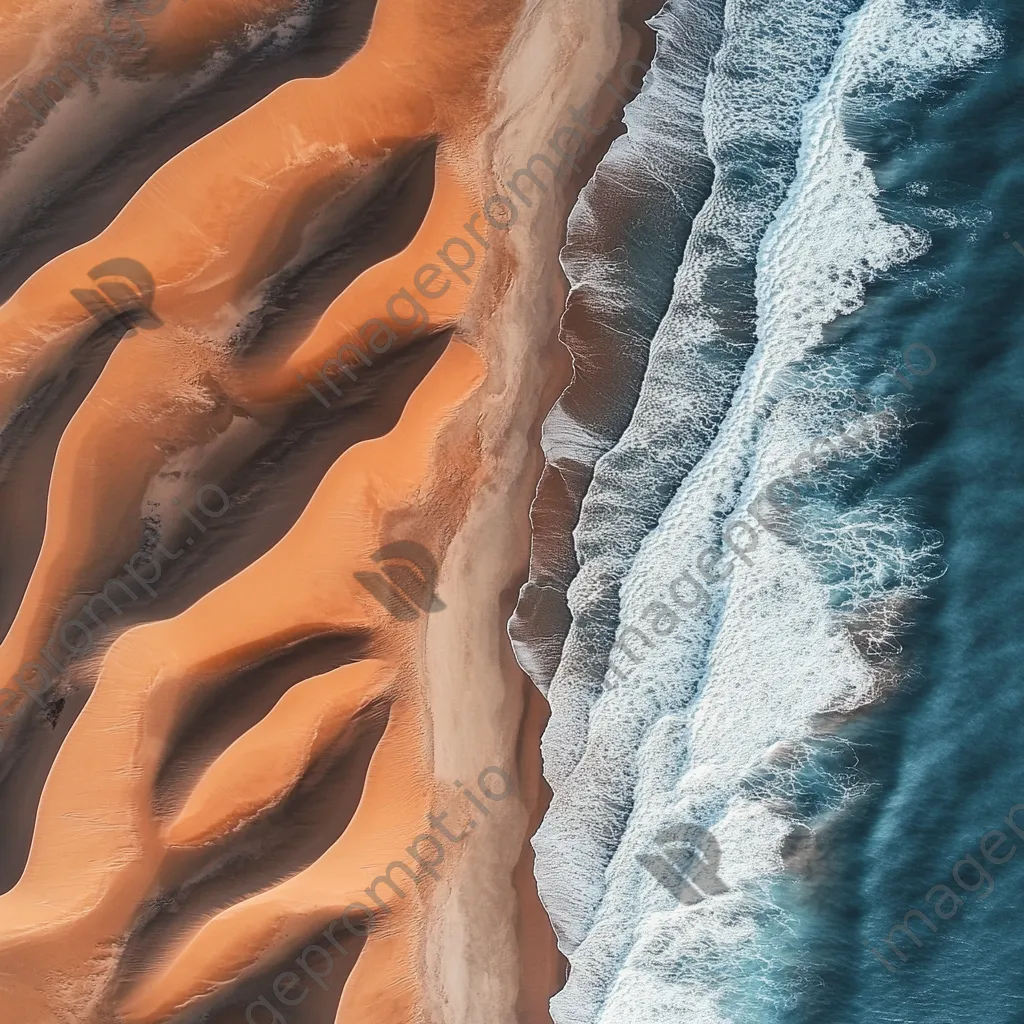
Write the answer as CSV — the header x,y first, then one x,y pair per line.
x,y
250,761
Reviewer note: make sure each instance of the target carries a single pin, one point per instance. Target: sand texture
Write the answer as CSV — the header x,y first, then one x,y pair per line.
x,y
267,755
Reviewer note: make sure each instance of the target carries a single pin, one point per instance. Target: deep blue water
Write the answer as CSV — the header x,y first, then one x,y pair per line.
x,y
945,755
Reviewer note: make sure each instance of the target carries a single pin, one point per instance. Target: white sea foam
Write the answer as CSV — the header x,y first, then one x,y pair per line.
x,y
711,727
695,360
752,113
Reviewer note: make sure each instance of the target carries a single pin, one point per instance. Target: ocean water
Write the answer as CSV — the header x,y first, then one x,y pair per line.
x,y
819,678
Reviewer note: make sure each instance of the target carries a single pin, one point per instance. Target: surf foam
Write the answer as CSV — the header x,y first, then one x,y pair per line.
x,y
713,727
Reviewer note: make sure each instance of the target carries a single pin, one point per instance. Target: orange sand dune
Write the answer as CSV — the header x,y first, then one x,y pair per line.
x,y
77,79
145,686
236,252
112,450
215,852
